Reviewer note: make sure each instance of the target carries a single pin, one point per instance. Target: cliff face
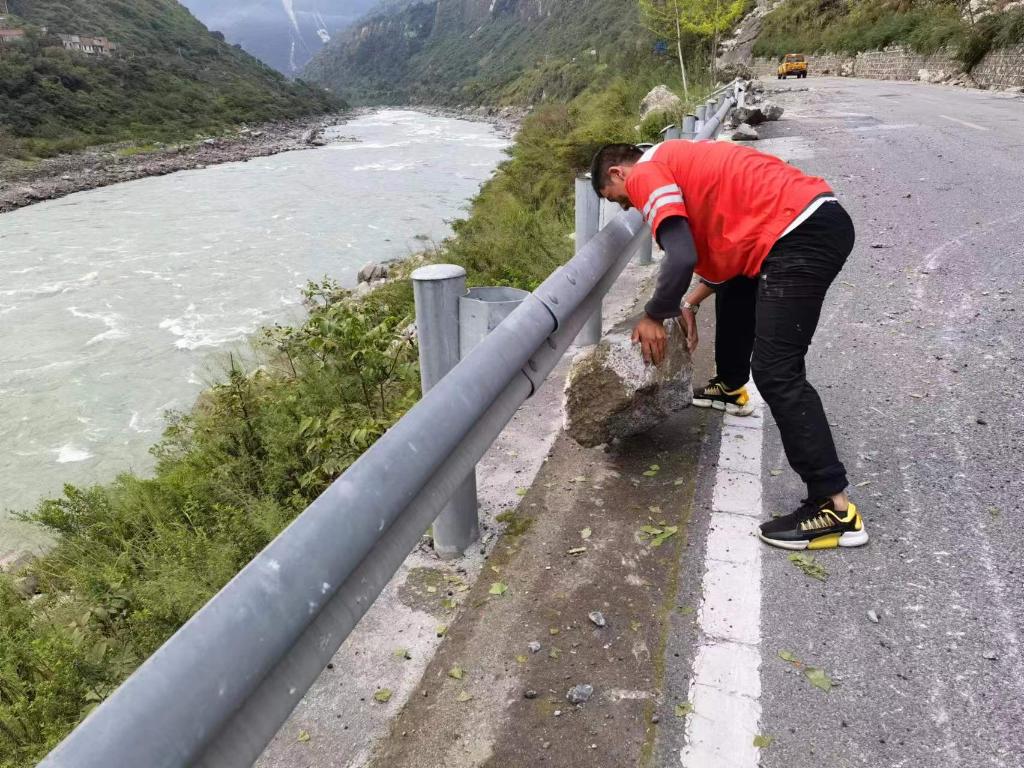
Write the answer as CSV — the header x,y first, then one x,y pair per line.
x,y
475,51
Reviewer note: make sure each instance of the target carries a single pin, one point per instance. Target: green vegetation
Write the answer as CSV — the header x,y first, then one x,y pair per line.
x,y
135,558
169,79
808,26
675,19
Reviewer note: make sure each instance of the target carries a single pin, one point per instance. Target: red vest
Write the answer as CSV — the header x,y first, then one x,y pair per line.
x,y
738,201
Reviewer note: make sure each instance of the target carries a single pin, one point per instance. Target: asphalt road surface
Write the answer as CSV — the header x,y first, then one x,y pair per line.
x,y
918,359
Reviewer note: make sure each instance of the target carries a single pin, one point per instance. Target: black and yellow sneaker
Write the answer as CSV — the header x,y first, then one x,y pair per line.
x,y
716,395
815,525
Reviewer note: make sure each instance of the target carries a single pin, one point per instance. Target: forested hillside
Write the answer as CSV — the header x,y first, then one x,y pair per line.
x,y
168,77
481,52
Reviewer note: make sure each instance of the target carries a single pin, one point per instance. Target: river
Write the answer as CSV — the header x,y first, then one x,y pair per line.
x,y
120,304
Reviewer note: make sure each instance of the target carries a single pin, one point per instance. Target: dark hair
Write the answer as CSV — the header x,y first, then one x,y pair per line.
x,y
606,157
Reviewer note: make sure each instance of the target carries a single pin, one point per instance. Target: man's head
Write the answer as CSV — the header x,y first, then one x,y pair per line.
x,y
611,167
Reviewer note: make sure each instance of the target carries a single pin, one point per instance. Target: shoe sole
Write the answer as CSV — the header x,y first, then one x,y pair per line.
x,y
734,410
848,539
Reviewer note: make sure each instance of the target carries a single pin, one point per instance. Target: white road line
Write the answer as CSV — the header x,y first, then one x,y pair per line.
x,y
975,126
725,688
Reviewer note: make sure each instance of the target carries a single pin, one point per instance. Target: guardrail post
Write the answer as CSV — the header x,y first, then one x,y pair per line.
x,y
644,254
437,289
701,116
709,109
689,127
588,222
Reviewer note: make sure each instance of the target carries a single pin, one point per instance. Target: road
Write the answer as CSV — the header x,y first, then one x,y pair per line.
x,y
918,360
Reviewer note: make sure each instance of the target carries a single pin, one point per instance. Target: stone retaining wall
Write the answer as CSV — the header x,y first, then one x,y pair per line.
x,y
1001,68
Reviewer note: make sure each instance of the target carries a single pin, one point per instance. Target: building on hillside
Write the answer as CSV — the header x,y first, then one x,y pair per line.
x,y
91,45
11,35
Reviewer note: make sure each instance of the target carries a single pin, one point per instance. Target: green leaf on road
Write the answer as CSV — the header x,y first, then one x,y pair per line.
x,y
650,530
682,710
809,565
678,481
383,695
685,610
763,740
818,678
402,653
554,653
456,672
521,491
303,736
521,659
669,531
441,630
788,656
464,696
497,588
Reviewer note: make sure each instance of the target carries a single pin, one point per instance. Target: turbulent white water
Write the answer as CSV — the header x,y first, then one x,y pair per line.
x,y
119,304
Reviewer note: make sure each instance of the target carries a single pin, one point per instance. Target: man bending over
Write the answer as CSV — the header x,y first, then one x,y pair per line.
x,y
728,212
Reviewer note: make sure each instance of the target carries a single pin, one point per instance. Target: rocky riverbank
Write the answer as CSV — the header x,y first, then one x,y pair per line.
x,y
24,183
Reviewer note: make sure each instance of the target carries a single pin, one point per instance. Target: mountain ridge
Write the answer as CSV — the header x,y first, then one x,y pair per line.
x,y
478,51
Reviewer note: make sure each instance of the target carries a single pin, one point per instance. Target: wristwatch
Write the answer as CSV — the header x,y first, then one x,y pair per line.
x,y
692,307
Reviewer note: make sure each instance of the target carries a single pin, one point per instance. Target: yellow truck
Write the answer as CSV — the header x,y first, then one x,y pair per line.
x,y
792,64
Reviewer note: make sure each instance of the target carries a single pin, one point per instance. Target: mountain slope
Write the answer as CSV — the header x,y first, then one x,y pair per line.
x,y
480,51
169,78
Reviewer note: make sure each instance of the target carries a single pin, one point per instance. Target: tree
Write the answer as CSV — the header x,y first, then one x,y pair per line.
x,y
664,19
704,18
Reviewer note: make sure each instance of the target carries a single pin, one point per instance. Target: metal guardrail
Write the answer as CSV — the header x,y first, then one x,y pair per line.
x,y
219,689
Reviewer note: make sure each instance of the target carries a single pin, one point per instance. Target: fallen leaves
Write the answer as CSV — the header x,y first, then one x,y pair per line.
x,y
656,536
818,678
815,676
383,695
521,491
809,565
303,736
456,672
763,741
682,710
464,696
497,588
402,653
653,471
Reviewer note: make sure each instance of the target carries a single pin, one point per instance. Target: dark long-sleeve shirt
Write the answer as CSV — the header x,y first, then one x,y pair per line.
x,y
676,271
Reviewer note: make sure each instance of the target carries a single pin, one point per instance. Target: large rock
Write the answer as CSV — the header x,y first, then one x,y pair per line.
x,y
660,99
771,110
744,133
611,393
749,115
371,272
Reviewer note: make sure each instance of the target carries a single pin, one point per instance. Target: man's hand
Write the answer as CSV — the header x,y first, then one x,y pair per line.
x,y
650,333
689,323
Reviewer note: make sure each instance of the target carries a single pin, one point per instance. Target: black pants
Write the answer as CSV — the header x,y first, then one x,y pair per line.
x,y
764,327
